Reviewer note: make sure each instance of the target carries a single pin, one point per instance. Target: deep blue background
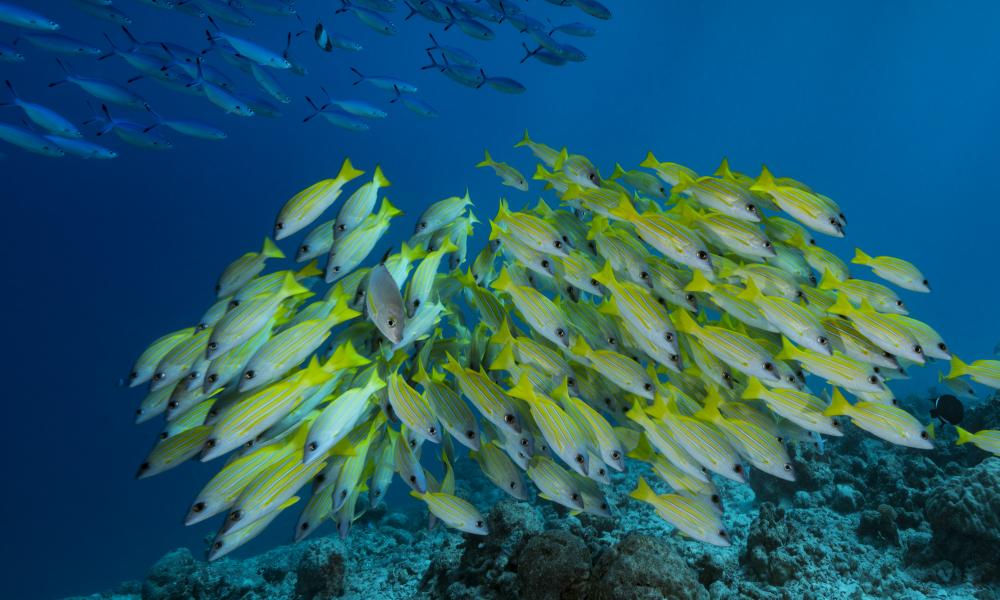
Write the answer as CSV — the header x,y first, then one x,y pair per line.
x,y
891,110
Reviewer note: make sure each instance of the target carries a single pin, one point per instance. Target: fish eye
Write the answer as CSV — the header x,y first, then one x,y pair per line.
x,y
575,497
336,268
193,375
524,442
279,226
716,499
312,446
873,379
812,279
210,443
470,434
788,467
702,255
612,341
595,283
616,455
661,300
421,226
895,402
133,375
546,264
413,478
432,430
479,524
391,322
212,378
644,275
607,401
579,459
669,336
790,379
558,244
592,177
602,471
217,545
738,468
942,347
822,341
508,418
690,298
899,303
833,222
675,358
560,332
303,248
173,404
571,381
236,515
198,507
249,375
416,302
800,374
917,349
722,533
648,387
752,208
924,435
304,526
164,435
769,367
343,493
159,376
926,283
234,303
213,345
768,244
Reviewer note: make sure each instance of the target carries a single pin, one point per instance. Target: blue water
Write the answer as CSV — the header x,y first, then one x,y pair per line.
x,y
889,109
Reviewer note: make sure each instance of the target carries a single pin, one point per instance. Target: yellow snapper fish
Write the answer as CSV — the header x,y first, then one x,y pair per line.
x,y
641,181
239,324
691,517
304,208
245,268
880,329
351,249
888,422
671,173
987,439
721,195
578,169
804,206
360,204
735,349
894,270
544,153
801,408
563,434
509,176
986,372
537,309
145,366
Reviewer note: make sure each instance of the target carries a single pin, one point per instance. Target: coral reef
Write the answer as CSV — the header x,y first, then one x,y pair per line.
x,y
864,520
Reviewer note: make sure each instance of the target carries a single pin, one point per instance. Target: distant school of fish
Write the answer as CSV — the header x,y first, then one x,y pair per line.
x,y
45,132
682,321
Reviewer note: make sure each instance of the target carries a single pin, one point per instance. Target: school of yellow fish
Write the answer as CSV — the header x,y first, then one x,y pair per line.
x,y
657,315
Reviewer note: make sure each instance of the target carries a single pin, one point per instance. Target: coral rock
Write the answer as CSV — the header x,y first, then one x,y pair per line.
x,y
643,567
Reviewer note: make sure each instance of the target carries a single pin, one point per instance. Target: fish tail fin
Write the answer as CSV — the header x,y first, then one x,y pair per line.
x,y
560,160
636,414
684,182
838,404
541,174
525,140
129,35
359,76
348,172
958,368
724,170
486,162
684,323
788,351
503,281
291,287
380,178
625,210
419,495
271,250
580,347
930,431
434,64
523,390
387,210
650,161
316,110
829,281
860,258
755,390
842,306
609,307
344,357
642,491
505,360
496,231
503,335
606,276
433,41
10,88
453,366
964,436
710,411
765,181
750,292
310,270
618,173
699,283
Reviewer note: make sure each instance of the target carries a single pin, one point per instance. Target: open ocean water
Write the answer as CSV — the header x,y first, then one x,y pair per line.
x,y
889,108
